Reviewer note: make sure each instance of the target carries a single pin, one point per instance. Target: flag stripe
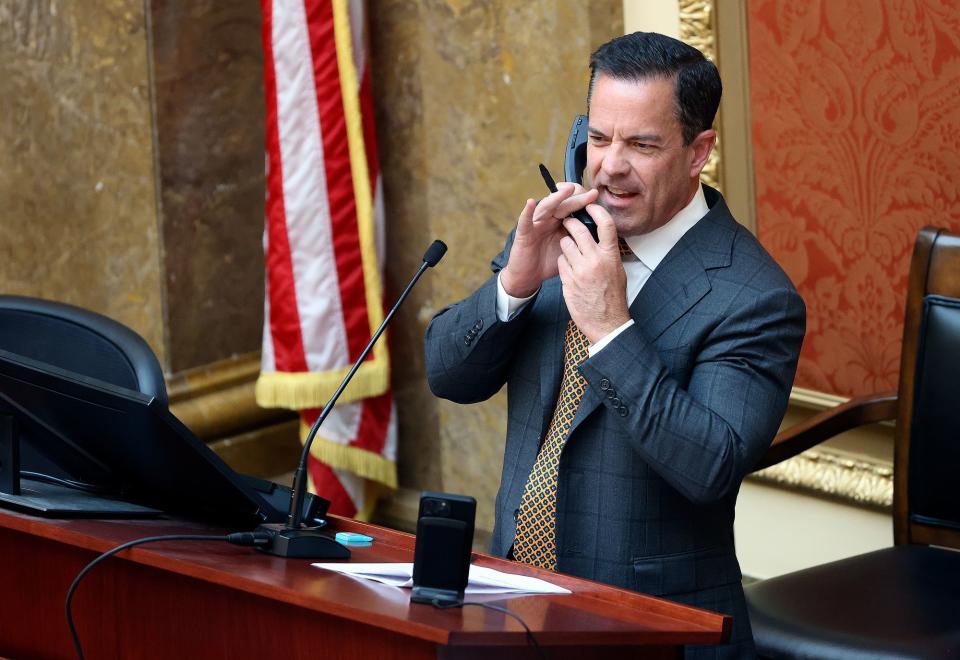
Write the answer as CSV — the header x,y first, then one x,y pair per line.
x,y
373,161
325,481
305,189
285,338
340,190
372,273
374,421
359,436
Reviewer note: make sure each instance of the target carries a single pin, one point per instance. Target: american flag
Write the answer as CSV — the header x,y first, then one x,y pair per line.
x,y
324,246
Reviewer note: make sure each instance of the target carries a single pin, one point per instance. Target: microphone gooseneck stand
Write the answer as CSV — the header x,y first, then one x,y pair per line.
x,y
293,540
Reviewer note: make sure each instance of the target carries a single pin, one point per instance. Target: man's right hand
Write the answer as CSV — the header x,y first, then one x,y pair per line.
x,y
536,245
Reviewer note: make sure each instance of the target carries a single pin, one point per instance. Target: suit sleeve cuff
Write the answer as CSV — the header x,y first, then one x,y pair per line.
x,y
596,348
507,305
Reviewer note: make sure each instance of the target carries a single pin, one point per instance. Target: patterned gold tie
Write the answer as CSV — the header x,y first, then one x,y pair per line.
x,y
536,539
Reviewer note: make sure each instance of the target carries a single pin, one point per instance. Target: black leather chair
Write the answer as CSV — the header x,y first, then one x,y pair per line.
x,y
903,601
80,341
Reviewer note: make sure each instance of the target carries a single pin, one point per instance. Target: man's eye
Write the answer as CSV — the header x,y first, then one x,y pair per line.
x,y
643,146
598,139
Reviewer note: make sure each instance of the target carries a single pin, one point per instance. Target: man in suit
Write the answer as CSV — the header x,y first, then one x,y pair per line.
x,y
645,375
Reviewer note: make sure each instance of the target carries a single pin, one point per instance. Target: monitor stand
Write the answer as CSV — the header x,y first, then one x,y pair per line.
x,y
50,500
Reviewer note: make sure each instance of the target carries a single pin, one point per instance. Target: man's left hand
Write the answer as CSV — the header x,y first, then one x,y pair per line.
x,y
594,282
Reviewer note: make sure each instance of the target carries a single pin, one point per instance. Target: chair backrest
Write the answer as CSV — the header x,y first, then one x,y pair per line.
x,y
80,341
927,453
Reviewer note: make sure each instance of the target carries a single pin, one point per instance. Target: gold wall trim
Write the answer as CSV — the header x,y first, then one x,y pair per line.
x,y
828,473
213,377
697,29
696,25
814,401
825,471
217,400
733,60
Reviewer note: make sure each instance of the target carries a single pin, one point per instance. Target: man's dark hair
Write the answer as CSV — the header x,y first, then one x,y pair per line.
x,y
645,55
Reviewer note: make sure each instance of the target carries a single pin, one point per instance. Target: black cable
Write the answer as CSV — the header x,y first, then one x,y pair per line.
x,y
496,608
238,538
66,483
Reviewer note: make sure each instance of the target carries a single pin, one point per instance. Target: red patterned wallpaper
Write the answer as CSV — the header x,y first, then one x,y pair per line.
x,y
856,142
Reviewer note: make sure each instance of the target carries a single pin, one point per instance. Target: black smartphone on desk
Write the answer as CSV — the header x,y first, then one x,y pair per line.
x,y
441,556
574,162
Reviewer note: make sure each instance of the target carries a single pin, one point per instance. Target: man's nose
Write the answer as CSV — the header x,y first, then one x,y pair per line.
x,y
614,162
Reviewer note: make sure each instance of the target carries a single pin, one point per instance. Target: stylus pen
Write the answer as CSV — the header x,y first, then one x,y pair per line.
x,y
547,179
580,214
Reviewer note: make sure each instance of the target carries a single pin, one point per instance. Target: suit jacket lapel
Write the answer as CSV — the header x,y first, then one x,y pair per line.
x,y
681,281
677,284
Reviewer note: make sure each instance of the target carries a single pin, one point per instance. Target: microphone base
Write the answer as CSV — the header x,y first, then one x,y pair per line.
x,y
303,543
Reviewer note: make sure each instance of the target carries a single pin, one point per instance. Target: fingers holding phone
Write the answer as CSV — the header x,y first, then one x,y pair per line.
x,y
536,246
594,281
580,195
576,202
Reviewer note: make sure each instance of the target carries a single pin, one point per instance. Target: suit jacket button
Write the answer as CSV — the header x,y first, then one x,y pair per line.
x,y
604,384
611,393
478,325
615,402
623,411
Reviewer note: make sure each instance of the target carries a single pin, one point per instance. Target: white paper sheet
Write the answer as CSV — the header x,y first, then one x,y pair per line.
x,y
482,580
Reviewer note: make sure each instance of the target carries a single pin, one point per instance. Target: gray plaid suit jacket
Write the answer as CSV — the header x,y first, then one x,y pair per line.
x,y
677,410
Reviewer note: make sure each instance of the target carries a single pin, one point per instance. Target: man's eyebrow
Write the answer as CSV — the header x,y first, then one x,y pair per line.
x,y
651,138
646,137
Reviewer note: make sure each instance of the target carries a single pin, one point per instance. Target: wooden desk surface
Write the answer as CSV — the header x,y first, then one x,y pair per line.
x,y
39,558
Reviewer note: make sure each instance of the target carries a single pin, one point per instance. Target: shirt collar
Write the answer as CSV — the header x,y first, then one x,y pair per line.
x,y
652,247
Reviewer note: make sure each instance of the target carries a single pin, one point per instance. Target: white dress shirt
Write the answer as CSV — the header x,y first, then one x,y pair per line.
x,y
649,249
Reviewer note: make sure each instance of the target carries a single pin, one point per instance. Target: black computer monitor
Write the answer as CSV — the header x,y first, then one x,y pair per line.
x,y
139,458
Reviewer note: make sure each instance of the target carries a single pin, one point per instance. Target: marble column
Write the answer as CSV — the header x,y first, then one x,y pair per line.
x,y
132,167
207,65
78,220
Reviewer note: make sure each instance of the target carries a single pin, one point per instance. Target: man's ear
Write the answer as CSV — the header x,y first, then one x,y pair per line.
x,y
701,147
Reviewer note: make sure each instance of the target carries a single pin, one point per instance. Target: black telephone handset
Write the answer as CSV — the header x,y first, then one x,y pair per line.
x,y
574,163
575,160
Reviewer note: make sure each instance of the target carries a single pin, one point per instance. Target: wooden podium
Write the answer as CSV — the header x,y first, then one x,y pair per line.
x,y
200,600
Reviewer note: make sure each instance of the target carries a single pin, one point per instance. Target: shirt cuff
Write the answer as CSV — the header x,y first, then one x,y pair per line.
x,y
596,348
507,305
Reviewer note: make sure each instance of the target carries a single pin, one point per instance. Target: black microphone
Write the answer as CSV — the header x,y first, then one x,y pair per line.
x,y
431,258
295,540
